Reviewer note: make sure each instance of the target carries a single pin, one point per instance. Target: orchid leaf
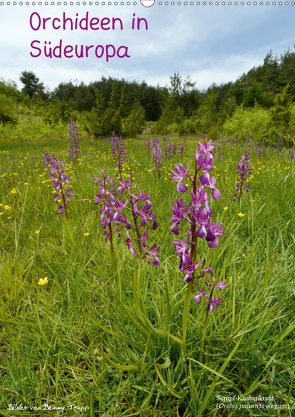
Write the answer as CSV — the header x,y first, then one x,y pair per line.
x,y
121,336
127,368
180,394
166,364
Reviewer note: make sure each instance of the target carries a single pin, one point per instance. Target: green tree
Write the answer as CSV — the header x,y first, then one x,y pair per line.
x,y
178,116
287,72
280,112
270,71
123,103
83,98
113,99
94,124
238,91
9,89
280,115
133,124
207,112
56,112
249,122
7,109
103,122
66,92
31,83
255,92
151,99
229,106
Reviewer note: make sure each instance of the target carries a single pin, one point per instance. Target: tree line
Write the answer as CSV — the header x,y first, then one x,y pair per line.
x,y
111,104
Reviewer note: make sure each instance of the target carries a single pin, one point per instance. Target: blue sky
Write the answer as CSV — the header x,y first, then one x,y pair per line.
x,y
209,43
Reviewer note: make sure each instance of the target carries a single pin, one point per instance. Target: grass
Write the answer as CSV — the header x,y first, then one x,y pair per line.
x,y
62,343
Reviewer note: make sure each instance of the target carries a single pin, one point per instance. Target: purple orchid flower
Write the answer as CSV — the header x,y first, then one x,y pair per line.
x,y
210,183
214,303
129,245
204,148
205,163
179,175
124,185
201,294
198,214
190,270
181,250
213,233
154,252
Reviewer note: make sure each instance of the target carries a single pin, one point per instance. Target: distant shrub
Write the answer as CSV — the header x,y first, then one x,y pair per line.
x,y
56,112
7,110
9,89
133,124
248,123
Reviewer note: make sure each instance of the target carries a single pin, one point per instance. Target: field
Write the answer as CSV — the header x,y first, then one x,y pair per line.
x,y
87,331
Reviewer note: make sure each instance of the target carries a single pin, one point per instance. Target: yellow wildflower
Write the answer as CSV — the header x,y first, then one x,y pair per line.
x,y
241,215
43,281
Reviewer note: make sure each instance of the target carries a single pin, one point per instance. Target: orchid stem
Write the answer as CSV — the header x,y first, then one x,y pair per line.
x,y
204,334
138,295
185,312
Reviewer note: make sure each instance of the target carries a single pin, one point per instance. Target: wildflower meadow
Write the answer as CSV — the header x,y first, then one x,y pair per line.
x,y
146,277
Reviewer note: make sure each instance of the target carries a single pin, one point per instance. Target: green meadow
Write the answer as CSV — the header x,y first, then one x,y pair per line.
x,y
71,341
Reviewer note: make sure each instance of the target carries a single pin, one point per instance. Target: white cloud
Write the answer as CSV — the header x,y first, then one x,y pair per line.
x,y
211,44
